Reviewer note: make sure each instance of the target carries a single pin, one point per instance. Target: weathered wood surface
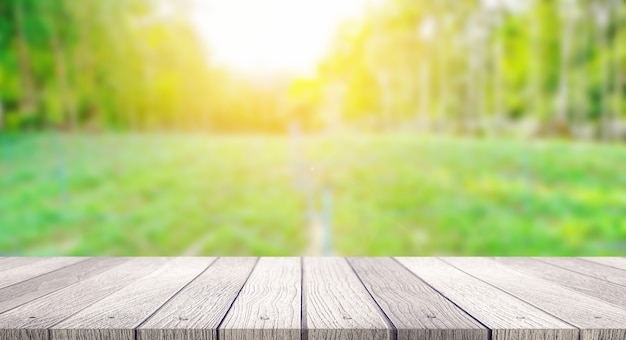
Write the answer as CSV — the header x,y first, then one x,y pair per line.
x,y
119,314
588,268
336,305
192,298
415,309
43,313
515,319
12,262
595,319
268,306
19,293
35,268
196,311
617,262
598,288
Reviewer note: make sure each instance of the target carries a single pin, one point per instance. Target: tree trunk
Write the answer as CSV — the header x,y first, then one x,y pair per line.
x,y
498,85
28,99
619,78
481,74
605,108
534,81
441,63
471,116
580,111
1,114
61,69
424,119
562,102
476,84
84,59
471,92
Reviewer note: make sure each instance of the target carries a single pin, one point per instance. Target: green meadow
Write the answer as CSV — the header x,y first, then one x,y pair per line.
x,y
400,194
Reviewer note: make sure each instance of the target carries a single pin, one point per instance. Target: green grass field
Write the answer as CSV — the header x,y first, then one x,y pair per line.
x,y
242,195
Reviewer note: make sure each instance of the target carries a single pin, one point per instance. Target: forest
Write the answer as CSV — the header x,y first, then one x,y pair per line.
x,y
538,68
420,127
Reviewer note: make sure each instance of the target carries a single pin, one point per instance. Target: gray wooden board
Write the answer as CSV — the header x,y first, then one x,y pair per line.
x,y
595,318
34,269
615,262
514,319
197,310
415,309
312,298
22,292
336,305
603,290
12,262
116,316
31,321
268,306
588,268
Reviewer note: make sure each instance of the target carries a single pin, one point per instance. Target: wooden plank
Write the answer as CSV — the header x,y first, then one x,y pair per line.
x,y
415,309
12,262
22,292
268,306
35,268
197,310
508,317
596,319
615,262
336,305
116,316
588,268
32,320
603,290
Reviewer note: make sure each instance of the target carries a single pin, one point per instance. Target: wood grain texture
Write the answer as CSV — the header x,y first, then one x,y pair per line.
x,y
268,306
508,317
312,298
12,262
615,262
336,305
22,292
197,310
116,316
415,309
588,268
596,319
603,290
39,315
35,268
30,334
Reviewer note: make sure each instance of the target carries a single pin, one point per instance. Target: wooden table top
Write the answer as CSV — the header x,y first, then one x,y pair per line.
x,y
193,298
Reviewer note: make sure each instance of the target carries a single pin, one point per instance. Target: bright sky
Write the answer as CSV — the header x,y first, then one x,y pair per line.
x,y
266,36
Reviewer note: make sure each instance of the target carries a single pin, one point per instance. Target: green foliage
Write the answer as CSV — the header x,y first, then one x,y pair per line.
x,y
463,65
537,50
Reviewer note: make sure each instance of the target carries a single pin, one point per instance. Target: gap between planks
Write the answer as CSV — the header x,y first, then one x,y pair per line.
x,y
369,281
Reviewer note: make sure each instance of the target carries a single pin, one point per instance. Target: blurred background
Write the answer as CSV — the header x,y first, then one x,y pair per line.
x,y
312,127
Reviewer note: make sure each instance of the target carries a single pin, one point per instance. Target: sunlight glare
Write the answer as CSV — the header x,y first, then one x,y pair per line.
x,y
268,36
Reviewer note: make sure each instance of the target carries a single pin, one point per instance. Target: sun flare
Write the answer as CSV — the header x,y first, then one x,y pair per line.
x,y
265,36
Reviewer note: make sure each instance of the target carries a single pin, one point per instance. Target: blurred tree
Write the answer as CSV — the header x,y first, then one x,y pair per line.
x,y
22,16
471,66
